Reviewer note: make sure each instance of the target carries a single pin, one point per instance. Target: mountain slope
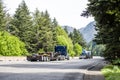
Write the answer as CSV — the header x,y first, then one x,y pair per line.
x,y
69,28
88,31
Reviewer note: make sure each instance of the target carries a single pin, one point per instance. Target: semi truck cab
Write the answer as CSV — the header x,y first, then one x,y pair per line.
x,y
62,51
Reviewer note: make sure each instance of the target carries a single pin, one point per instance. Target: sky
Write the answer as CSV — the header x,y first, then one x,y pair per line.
x,y
67,12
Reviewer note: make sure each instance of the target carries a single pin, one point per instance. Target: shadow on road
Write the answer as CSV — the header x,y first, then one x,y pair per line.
x,y
94,73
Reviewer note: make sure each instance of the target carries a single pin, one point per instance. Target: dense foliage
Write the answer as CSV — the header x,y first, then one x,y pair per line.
x,y
43,31
37,30
107,16
11,45
77,37
111,72
78,49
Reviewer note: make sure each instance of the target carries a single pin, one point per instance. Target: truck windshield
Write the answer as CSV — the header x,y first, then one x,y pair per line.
x,y
61,49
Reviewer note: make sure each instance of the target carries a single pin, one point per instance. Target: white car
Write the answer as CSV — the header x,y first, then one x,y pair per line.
x,y
85,55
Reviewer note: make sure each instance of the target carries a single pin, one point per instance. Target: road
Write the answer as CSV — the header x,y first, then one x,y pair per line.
x,y
73,69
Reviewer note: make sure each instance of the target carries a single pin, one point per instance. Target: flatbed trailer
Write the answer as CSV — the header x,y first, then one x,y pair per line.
x,y
60,53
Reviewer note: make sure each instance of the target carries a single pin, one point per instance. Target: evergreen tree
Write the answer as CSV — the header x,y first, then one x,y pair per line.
x,y
8,21
2,17
36,40
66,29
22,20
71,35
47,32
21,25
43,31
55,23
78,38
107,17
54,27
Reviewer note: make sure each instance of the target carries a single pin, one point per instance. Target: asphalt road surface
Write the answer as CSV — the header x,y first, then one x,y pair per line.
x,y
73,69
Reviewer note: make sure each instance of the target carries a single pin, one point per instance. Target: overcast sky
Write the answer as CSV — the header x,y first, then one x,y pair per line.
x,y
67,12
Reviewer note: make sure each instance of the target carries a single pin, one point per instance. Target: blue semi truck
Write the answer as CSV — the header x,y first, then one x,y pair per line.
x,y
60,53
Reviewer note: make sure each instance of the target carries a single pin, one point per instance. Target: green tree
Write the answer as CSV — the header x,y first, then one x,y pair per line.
x,y
44,30
8,21
63,39
107,16
71,35
2,17
54,27
11,45
77,49
47,35
66,30
21,25
55,23
35,43
77,37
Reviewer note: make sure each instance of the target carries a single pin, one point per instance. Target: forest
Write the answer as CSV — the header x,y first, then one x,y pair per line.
x,y
26,32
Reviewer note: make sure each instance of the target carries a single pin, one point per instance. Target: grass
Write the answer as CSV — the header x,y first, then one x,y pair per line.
x,y
111,72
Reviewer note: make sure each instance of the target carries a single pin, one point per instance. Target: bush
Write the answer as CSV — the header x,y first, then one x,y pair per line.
x,y
11,45
111,72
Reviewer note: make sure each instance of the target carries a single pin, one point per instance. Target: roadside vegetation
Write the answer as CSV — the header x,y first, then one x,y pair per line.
x,y
111,72
26,32
11,45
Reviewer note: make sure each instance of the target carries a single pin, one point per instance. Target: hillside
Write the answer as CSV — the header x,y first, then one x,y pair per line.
x,y
87,31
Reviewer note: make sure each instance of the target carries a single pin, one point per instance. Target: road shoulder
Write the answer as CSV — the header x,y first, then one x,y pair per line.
x,y
94,73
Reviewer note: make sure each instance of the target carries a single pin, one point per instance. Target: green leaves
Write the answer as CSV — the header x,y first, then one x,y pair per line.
x,y
11,45
78,49
63,39
44,30
77,37
111,72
